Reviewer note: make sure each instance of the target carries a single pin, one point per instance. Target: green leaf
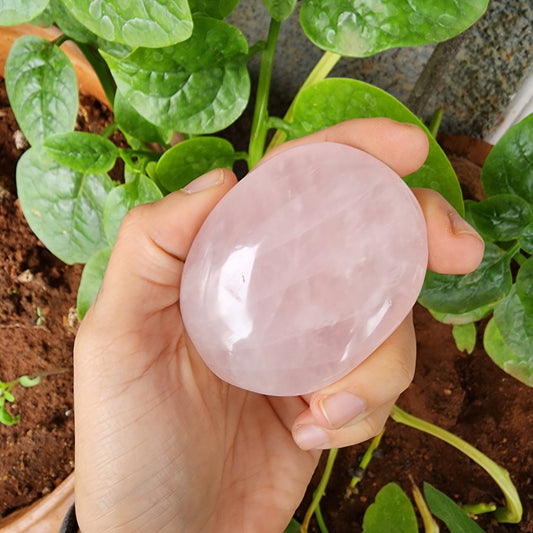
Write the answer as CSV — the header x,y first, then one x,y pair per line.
x,y
134,124
123,198
192,158
19,11
392,511
218,9
44,19
465,337
69,24
458,294
150,23
515,325
63,207
6,418
198,86
27,381
509,165
524,285
443,507
515,365
334,100
293,527
526,239
81,151
280,9
91,280
366,27
42,88
8,396
463,318
502,217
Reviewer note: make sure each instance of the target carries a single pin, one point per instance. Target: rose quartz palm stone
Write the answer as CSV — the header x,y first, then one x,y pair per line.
x,y
303,269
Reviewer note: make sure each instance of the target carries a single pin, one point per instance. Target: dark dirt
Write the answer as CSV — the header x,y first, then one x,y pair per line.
x,y
37,329
465,394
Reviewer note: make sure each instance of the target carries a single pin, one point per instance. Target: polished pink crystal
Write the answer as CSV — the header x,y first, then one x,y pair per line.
x,y
303,269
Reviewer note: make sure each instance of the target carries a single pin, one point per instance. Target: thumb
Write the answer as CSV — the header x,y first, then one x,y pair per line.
x,y
145,266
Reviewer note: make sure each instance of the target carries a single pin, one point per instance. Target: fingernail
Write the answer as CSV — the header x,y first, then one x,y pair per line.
x,y
310,437
341,408
212,178
461,227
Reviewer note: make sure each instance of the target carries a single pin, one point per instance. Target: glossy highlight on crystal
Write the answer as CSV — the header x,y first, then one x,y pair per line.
x,y
303,269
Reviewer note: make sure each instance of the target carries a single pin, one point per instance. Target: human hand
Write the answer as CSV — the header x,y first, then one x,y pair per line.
x,y
161,443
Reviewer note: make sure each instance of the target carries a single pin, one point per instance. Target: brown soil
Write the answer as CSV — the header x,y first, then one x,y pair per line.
x,y
37,328
466,394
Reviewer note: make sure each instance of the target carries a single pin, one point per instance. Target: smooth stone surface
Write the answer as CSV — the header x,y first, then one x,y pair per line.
x,y
303,269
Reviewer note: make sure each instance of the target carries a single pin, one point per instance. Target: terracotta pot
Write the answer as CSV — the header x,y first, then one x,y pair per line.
x,y
88,82
47,514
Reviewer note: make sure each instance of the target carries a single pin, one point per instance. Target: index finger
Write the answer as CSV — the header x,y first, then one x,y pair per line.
x,y
403,147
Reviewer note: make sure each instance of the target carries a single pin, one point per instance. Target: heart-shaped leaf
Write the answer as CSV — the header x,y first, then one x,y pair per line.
x,y
192,158
333,100
81,151
514,364
63,207
392,511
150,23
509,165
502,217
458,294
365,27
19,11
198,86
515,325
134,124
42,88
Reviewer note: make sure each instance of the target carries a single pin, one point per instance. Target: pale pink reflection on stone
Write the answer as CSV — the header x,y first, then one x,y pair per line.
x,y
303,269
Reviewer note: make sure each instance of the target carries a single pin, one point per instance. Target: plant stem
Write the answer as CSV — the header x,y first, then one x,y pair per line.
x,y
320,520
512,513
259,125
322,69
109,130
320,490
60,40
479,508
367,458
436,120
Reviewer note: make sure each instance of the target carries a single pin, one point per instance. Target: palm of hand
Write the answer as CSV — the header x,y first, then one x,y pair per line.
x,y
237,450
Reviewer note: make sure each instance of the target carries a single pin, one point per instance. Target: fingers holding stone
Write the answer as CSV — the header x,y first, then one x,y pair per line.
x,y
153,241
355,408
403,147
454,246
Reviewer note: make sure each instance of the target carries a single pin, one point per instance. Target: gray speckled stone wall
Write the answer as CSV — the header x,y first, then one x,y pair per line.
x,y
476,86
